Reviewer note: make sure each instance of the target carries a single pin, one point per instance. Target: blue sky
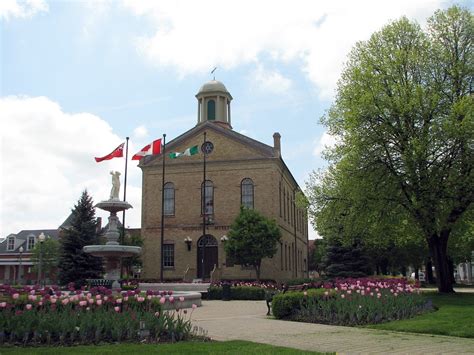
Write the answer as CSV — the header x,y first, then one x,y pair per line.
x,y
77,77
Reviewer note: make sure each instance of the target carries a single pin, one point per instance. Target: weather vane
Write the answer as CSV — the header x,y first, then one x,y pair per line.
x,y
212,72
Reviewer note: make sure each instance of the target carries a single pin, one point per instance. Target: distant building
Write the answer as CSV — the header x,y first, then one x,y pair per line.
x,y
16,250
239,171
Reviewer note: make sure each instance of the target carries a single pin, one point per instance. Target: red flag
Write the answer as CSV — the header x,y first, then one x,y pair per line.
x,y
117,153
150,149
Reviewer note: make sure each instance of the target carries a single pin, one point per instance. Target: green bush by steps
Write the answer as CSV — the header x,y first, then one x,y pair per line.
x,y
237,293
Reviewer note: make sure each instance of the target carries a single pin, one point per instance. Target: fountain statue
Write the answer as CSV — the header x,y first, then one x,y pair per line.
x,y
112,251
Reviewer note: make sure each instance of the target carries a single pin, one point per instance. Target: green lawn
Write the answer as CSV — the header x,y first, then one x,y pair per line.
x,y
227,347
454,317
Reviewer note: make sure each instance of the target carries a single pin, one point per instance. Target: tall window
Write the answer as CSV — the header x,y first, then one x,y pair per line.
x,y
281,255
211,110
168,255
31,243
246,193
11,243
169,199
279,192
207,198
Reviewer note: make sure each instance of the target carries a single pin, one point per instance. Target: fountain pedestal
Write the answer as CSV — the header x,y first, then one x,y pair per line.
x,y
112,252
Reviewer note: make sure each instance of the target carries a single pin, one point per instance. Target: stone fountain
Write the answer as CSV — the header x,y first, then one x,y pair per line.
x,y
112,252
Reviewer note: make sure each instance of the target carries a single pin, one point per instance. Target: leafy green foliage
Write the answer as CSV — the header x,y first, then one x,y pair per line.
x,y
75,265
402,171
48,253
252,237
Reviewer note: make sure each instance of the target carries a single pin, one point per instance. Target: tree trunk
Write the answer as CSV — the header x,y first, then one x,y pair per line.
x,y
429,278
257,272
438,248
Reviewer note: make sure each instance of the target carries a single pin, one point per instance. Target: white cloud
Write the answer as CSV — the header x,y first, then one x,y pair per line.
x,y
21,9
325,141
140,132
195,36
270,81
45,164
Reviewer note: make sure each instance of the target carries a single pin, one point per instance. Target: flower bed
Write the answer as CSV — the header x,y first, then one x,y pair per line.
x,y
352,302
49,316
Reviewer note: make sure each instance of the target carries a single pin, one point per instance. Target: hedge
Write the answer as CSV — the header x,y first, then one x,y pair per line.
x,y
237,293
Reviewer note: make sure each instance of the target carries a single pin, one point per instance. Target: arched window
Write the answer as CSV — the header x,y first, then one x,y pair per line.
x,y
207,198
211,110
246,193
169,199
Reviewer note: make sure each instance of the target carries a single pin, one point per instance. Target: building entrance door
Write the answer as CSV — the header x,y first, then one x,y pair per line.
x,y
207,256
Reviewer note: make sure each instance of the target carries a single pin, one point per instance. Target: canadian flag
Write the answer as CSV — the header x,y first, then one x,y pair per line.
x,y
150,149
117,153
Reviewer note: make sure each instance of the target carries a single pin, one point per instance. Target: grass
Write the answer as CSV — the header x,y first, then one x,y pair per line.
x,y
236,347
454,317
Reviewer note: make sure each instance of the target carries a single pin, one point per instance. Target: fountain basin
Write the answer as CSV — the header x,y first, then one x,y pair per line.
x,y
113,206
176,287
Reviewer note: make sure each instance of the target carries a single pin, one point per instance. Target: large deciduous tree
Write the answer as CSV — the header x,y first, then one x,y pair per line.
x,y
74,264
404,118
252,237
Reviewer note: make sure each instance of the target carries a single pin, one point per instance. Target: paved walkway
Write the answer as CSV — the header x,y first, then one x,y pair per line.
x,y
247,320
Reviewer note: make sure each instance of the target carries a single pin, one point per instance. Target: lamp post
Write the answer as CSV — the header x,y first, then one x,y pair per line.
x,y
21,250
41,239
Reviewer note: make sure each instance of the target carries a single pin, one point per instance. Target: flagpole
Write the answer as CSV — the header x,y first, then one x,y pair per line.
x,y
125,189
203,212
163,209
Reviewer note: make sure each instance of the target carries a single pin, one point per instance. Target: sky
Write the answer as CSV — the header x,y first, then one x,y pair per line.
x,y
77,77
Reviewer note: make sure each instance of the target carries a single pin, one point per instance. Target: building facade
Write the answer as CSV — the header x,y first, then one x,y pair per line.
x,y
198,215
16,264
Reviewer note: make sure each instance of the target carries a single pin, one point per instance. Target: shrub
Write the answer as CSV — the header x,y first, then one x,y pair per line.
x,y
285,305
247,293
214,293
237,293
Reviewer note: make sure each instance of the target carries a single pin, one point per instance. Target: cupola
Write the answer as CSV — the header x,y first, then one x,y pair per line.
x,y
214,104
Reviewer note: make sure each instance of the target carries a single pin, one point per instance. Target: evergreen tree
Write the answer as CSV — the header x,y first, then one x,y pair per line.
x,y
346,261
75,265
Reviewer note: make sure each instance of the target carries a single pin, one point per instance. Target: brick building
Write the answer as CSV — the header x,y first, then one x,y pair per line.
x,y
239,171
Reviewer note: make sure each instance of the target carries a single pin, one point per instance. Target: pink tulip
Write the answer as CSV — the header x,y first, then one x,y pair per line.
x,y
162,300
125,299
194,306
83,303
118,300
89,295
117,309
148,297
65,301
98,297
32,292
28,306
99,302
181,298
140,299
157,314
40,303
16,296
349,292
342,296
105,298
91,301
53,300
171,299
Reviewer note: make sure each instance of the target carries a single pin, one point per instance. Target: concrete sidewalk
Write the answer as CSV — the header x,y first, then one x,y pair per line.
x,y
247,320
